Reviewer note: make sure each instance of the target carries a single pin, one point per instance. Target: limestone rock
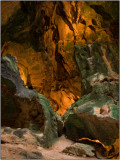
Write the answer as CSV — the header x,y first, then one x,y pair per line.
x,y
104,91
7,130
49,34
83,125
64,50
32,111
80,149
19,133
31,155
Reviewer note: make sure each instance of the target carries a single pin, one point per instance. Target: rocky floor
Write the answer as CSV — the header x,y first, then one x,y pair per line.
x,y
55,152
13,147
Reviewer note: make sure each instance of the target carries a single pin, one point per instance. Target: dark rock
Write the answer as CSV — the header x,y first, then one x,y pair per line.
x,y
7,130
91,27
100,10
60,128
94,22
31,155
106,130
19,133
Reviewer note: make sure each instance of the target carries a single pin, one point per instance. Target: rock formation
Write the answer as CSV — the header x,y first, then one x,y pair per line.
x,y
25,108
83,125
60,75
80,150
43,36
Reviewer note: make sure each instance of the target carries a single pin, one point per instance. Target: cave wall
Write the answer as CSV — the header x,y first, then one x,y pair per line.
x,y
43,37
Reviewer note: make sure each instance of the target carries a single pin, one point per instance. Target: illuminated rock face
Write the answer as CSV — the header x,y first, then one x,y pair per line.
x,y
43,36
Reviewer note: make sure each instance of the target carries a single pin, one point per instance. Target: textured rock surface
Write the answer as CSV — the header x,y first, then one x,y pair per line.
x,y
27,147
102,151
80,149
68,52
81,125
44,40
104,91
7,9
25,108
15,147
60,124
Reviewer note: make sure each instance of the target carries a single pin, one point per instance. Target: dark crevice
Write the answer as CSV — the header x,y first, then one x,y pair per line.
x,y
61,71
60,11
99,9
25,31
55,35
62,74
29,84
74,13
47,21
94,22
92,28
84,38
3,142
81,20
55,102
114,28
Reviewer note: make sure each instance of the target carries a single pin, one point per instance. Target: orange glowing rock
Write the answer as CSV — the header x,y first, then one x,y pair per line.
x,y
110,152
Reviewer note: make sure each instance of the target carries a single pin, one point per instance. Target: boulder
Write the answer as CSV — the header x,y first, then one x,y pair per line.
x,y
25,108
19,132
104,92
102,151
83,125
79,149
7,130
31,155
